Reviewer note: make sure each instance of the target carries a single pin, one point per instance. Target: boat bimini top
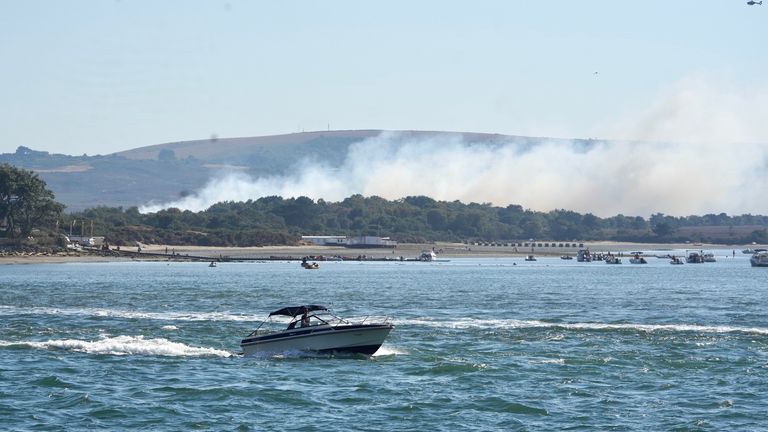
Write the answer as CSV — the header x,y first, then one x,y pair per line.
x,y
294,311
295,314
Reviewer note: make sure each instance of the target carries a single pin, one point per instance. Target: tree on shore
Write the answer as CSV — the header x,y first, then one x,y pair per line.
x,y
25,202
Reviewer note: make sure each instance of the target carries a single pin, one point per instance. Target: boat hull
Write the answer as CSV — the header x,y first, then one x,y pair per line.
x,y
359,339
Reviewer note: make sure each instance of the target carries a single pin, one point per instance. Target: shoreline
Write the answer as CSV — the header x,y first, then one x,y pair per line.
x,y
408,251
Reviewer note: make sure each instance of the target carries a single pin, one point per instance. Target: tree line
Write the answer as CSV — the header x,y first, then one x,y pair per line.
x,y
418,219
26,204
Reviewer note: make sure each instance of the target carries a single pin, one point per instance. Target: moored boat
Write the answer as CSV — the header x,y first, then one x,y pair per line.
x,y
759,259
428,256
694,257
584,256
675,261
309,265
313,328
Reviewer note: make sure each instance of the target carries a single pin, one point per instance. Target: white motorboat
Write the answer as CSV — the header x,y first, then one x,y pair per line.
x,y
583,256
709,257
637,259
428,256
314,328
694,257
759,259
675,261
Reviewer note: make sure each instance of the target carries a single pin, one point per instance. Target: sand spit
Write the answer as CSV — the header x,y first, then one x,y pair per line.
x,y
407,251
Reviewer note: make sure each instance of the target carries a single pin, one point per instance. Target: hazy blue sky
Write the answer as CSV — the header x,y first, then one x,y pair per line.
x,y
103,76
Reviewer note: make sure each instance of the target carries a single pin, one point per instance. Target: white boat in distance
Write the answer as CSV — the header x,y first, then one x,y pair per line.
x,y
759,259
637,258
694,257
314,328
675,261
428,256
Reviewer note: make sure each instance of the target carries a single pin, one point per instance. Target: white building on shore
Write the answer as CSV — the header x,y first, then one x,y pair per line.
x,y
351,242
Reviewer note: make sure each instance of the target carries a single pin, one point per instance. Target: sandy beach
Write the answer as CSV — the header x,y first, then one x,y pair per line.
x,y
405,250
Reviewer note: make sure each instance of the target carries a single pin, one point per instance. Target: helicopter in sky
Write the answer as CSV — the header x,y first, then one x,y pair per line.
x,y
753,2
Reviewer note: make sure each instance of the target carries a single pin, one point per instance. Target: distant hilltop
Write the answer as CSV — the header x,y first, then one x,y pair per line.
x,y
325,145
165,172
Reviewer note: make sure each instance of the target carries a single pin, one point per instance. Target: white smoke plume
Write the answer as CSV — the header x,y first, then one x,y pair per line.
x,y
713,165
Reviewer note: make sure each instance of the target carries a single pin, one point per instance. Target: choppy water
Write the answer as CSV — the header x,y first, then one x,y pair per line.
x,y
479,344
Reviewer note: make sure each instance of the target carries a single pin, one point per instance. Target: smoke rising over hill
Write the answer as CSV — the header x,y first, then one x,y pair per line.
x,y
711,166
606,179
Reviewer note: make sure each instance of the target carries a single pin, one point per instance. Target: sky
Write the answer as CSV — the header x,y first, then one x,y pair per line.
x,y
98,77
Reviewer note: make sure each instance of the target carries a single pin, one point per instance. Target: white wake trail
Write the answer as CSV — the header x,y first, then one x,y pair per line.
x,y
125,345
511,324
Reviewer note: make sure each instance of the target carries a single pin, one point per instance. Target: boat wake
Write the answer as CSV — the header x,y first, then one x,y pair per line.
x,y
113,313
124,345
511,324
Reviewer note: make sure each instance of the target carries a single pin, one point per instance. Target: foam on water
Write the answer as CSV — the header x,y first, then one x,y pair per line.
x,y
124,345
116,313
468,323
389,351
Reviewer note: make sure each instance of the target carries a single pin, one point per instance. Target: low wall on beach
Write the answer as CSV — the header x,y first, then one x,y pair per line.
x,y
532,247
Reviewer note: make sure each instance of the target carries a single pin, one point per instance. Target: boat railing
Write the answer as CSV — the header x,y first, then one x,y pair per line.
x,y
329,320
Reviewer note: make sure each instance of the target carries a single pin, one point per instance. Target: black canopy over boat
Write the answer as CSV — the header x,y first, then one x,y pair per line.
x,y
293,311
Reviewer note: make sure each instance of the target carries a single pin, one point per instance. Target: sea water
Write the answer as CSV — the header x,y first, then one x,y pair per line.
x,y
479,344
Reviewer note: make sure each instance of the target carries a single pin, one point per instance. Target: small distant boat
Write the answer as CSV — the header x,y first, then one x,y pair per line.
x,y
566,257
676,261
759,259
584,256
427,256
709,257
212,264
694,257
610,259
530,258
637,258
309,265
